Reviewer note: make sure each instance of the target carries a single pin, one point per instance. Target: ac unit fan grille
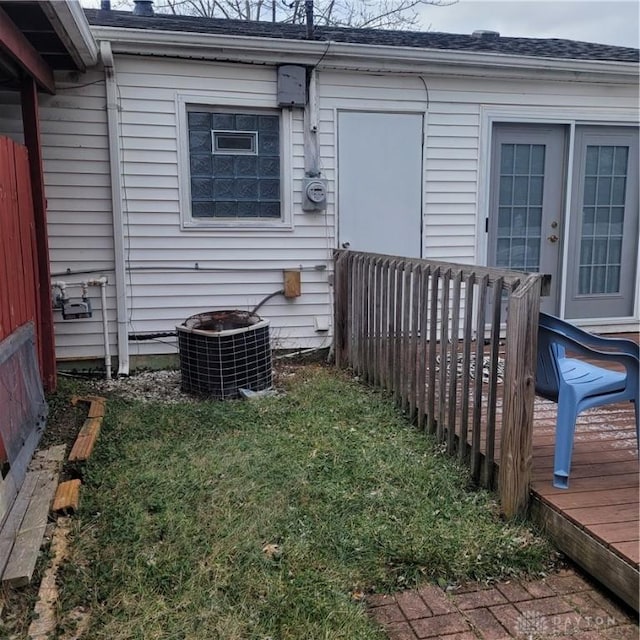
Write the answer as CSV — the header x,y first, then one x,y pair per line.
x,y
218,363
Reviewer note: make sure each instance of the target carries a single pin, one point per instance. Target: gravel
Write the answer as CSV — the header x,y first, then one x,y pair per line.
x,y
163,387
149,386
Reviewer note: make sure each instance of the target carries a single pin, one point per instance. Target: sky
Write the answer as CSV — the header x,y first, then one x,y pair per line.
x,y
614,22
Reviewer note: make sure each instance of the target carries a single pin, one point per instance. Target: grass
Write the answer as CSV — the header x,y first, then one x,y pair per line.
x,y
271,518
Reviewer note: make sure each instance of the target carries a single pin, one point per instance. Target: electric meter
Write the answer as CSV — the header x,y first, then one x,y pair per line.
x,y
314,192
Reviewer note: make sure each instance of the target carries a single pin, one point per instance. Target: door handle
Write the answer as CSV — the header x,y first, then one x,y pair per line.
x,y
553,238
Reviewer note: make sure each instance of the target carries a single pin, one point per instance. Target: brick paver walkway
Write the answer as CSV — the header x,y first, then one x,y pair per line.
x,y
563,605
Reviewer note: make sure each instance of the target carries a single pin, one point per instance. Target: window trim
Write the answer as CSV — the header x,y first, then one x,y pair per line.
x,y
234,134
221,104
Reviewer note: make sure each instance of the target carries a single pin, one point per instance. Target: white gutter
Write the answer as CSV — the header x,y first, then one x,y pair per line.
x,y
116,200
70,23
345,55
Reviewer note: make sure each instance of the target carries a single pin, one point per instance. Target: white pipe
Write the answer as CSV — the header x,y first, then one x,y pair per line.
x,y
116,203
96,282
102,283
62,285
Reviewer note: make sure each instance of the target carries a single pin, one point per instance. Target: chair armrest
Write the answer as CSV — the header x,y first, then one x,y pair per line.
x,y
580,336
612,345
628,361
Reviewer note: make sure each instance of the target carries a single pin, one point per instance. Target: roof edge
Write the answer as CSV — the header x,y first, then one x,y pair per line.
x,y
329,53
71,24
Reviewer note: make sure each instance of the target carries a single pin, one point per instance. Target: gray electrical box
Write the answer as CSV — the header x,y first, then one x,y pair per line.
x,y
314,194
292,83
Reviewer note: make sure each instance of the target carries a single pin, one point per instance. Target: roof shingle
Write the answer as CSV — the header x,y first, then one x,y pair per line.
x,y
536,47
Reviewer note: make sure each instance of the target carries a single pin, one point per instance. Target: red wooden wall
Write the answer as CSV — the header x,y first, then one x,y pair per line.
x,y
18,264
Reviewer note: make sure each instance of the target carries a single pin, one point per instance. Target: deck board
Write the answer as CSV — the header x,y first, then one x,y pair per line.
x,y
590,483
602,514
628,549
593,470
595,498
616,532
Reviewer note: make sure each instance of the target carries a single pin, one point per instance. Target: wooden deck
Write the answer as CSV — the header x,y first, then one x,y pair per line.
x,y
596,520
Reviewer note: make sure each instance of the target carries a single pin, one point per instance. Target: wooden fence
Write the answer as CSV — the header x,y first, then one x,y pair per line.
x,y
22,404
18,266
456,345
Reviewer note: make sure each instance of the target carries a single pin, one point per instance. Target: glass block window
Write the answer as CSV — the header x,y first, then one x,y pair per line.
x,y
235,165
605,186
520,206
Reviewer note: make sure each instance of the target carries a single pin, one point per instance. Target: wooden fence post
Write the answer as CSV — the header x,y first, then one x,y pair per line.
x,y
517,418
340,307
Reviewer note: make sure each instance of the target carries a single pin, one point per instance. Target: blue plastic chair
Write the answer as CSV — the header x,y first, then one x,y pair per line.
x,y
577,385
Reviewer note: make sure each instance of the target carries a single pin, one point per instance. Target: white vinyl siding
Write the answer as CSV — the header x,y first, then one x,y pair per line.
x,y
453,142
237,268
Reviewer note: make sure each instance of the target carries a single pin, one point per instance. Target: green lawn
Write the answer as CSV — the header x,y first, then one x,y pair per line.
x,y
270,518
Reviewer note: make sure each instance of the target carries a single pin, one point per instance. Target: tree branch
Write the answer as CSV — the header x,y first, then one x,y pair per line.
x,y
339,13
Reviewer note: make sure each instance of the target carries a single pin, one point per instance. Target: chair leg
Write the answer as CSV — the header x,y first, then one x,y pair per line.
x,y
637,412
565,429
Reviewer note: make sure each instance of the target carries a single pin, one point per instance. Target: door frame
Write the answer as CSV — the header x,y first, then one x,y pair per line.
x,y
570,117
424,113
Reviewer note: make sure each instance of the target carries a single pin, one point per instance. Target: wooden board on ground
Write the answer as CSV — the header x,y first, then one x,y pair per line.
x,y
96,405
67,496
42,460
86,440
16,516
11,484
23,557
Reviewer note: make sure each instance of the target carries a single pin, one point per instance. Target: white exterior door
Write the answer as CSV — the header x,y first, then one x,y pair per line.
x,y
380,182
